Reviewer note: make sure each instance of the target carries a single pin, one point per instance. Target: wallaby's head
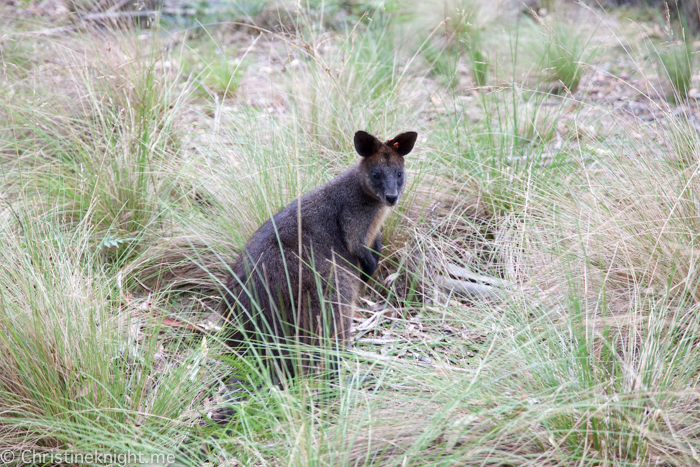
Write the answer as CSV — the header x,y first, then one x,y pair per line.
x,y
381,167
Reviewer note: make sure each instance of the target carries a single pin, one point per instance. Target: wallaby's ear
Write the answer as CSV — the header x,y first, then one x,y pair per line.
x,y
366,144
404,142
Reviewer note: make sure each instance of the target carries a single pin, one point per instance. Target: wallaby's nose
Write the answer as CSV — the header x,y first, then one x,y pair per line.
x,y
392,199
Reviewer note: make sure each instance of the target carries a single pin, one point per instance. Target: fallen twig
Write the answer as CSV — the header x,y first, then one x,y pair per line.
x,y
466,287
118,15
368,340
464,273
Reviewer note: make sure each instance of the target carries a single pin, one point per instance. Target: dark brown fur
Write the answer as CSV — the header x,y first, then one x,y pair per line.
x,y
303,291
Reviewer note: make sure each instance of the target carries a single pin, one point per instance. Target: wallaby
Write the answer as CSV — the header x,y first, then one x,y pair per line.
x,y
298,283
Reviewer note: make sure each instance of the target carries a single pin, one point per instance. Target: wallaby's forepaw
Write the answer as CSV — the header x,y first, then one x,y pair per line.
x,y
377,248
368,265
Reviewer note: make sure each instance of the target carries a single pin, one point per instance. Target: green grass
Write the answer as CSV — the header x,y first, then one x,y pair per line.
x,y
213,67
677,62
135,164
565,56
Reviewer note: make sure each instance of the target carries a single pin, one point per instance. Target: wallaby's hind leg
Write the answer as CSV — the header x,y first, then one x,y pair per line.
x,y
345,296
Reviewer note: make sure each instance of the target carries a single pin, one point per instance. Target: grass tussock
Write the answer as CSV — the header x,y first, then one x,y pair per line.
x,y
78,373
677,65
537,299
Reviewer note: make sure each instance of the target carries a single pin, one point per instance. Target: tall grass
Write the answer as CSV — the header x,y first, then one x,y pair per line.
x,y
677,62
77,374
565,54
537,299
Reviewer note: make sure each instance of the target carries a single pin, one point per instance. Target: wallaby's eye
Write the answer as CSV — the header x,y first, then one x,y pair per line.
x,y
400,174
376,175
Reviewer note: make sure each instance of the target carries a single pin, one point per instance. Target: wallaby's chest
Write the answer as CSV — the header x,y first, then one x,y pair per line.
x,y
375,224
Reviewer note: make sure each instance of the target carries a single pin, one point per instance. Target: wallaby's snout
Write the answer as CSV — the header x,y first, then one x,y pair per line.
x,y
383,164
392,183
